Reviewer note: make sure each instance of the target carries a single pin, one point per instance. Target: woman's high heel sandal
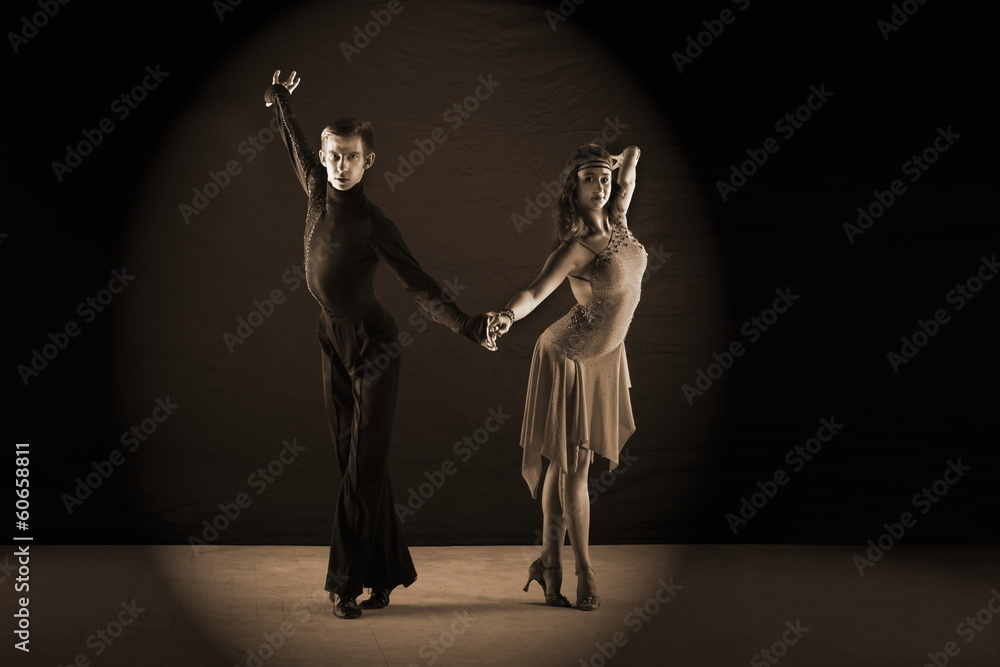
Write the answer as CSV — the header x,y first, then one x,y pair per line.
x,y
536,572
586,602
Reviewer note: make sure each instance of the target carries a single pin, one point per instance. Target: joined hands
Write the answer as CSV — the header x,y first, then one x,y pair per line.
x,y
497,325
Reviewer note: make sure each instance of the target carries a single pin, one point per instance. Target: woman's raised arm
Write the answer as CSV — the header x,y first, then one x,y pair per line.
x,y
625,163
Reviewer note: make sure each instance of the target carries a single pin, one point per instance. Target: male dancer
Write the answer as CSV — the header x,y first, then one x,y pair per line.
x,y
345,237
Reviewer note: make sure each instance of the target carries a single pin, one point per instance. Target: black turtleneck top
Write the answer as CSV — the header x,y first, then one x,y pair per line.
x,y
346,236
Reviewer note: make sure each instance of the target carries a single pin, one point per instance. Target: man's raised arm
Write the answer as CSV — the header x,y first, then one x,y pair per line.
x,y
304,160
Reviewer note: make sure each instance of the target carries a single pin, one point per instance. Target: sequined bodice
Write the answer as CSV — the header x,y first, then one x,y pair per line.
x,y
601,324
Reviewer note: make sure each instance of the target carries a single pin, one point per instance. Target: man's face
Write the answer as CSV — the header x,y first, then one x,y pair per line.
x,y
345,160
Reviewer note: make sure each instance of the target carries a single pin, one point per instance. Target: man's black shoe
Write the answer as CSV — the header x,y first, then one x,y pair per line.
x,y
345,606
379,599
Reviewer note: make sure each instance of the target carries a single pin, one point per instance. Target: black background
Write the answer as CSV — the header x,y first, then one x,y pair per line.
x,y
826,358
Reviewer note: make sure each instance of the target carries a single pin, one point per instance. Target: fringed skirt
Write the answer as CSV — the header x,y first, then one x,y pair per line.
x,y
576,405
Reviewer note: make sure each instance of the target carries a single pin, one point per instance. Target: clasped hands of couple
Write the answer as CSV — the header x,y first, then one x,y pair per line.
x,y
497,324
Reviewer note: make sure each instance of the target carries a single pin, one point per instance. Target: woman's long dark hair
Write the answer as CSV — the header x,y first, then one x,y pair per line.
x,y
569,223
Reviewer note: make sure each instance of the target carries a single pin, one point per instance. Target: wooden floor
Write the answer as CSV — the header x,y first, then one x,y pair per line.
x,y
662,605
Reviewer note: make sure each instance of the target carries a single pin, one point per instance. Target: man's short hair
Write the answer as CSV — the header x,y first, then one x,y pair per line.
x,y
352,127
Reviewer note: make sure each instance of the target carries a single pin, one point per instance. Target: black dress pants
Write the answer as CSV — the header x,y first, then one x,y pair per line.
x,y
361,362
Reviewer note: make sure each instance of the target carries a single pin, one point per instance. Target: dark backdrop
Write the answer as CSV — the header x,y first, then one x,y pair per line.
x,y
716,263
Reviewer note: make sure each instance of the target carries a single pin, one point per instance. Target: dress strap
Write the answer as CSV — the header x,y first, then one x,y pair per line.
x,y
598,252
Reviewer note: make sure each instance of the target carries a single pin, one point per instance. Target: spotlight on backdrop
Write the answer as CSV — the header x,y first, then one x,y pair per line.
x,y
476,108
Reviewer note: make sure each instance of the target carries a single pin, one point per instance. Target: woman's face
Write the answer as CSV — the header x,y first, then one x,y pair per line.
x,y
593,187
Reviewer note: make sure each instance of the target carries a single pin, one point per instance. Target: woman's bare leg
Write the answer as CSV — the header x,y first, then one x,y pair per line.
x,y
578,523
553,529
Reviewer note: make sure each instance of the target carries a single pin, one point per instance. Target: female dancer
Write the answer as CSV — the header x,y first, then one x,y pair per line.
x,y
578,400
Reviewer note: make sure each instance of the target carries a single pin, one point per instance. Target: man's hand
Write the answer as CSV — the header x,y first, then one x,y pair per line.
x,y
291,84
475,329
